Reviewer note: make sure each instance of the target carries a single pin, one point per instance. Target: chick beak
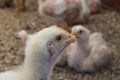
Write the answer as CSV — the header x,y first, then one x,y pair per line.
x,y
73,33
76,35
70,39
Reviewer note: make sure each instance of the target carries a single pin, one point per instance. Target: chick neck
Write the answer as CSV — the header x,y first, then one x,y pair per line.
x,y
37,64
83,44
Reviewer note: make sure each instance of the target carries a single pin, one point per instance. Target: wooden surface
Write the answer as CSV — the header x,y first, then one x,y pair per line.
x,y
112,4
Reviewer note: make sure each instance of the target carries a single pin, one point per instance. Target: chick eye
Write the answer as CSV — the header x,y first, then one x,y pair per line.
x,y
58,38
80,31
49,44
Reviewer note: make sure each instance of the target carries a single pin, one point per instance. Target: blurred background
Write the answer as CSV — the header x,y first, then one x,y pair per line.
x,y
12,48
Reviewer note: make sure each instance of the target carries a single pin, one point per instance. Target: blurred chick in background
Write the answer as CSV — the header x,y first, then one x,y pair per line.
x,y
19,4
65,12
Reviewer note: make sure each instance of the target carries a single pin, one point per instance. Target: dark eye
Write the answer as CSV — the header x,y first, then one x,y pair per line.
x,y
80,31
58,38
49,44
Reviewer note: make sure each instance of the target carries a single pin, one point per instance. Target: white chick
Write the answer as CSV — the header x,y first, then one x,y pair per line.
x,y
65,12
100,53
78,51
75,53
41,53
88,53
92,52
